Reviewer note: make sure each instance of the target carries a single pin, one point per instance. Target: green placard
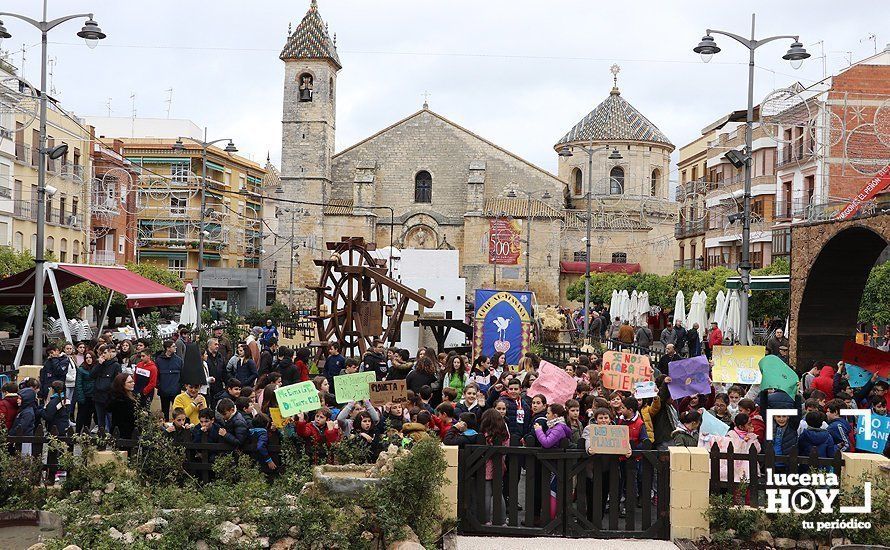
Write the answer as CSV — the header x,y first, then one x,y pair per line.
x,y
778,375
354,387
296,398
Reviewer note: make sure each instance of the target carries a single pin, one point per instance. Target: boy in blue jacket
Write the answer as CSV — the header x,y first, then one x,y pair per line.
x,y
838,426
26,419
54,368
258,443
55,412
815,437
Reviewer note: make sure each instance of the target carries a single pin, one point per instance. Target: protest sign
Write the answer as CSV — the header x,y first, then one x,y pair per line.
x,y
621,370
642,390
880,430
870,359
689,377
553,383
860,376
710,424
737,364
778,375
608,440
275,414
395,391
353,387
297,398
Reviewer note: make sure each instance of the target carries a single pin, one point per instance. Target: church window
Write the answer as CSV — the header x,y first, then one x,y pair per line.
x,y
656,177
619,257
578,179
305,81
423,187
331,89
616,181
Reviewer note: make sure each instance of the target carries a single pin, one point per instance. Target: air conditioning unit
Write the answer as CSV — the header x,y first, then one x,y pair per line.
x,y
5,133
73,221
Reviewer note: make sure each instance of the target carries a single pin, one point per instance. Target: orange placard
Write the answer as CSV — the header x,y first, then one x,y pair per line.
x,y
622,370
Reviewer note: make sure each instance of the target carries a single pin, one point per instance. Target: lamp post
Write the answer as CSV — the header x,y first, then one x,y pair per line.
x,y
795,55
179,147
91,33
614,155
528,226
293,212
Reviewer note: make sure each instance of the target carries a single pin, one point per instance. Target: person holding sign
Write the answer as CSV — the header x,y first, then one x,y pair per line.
x,y
319,434
686,434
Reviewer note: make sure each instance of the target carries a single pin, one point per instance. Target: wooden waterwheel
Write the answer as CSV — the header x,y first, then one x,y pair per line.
x,y
352,294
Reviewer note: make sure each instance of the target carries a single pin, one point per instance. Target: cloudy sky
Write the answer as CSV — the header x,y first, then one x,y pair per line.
x,y
518,72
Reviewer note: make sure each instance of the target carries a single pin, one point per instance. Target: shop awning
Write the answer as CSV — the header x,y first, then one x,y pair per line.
x,y
18,289
580,268
762,282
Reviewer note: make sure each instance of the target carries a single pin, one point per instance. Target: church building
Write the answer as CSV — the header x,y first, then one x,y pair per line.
x,y
425,182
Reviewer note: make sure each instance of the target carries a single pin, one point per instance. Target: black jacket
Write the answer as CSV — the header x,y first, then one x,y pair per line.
x,y
416,380
55,413
517,429
237,430
289,372
216,367
123,415
665,359
104,374
377,363
54,368
267,362
455,437
26,418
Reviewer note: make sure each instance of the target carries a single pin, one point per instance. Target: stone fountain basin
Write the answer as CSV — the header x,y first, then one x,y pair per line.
x,y
347,480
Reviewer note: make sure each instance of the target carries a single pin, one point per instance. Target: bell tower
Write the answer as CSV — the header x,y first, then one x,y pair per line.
x,y
308,119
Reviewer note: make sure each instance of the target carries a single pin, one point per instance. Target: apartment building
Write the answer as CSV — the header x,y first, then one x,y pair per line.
x,y
113,204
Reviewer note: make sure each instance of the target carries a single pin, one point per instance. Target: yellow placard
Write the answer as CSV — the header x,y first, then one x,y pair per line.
x,y
277,420
737,364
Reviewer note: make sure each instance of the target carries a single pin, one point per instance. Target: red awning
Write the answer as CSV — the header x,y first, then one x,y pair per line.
x,y
18,290
579,268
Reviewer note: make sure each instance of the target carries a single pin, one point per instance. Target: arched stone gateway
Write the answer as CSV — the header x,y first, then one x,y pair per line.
x,y
830,263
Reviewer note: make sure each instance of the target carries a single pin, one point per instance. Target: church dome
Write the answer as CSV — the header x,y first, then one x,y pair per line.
x,y
615,120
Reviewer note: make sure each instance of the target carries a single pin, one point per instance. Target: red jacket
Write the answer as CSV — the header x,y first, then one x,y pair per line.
x,y
308,430
302,371
759,426
146,377
715,338
440,427
825,382
9,408
637,430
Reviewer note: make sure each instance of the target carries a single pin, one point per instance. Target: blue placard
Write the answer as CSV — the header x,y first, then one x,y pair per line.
x,y
880,430
502,322
859,376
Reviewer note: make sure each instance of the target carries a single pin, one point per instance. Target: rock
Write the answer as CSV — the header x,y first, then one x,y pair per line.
x,y
96,496
109,488
115,534
71,547
286,543
228,532
785,543
730,533
129,538
96,518
263,542
405,545
840,542
74,494
153,536
151,526
294,531
249,530
806,544
202,545
38,546
367,535
763,537
291,500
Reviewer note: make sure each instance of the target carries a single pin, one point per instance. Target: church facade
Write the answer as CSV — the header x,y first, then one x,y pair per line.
x,y
426,182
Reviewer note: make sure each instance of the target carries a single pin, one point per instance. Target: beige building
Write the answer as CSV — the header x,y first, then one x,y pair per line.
x,y
692,188
428,182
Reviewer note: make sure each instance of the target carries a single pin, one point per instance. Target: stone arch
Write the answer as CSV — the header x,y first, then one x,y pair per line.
x,y
420,231
830,265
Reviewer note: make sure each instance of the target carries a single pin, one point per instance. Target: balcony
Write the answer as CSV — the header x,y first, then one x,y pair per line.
x,y
794,155
690,263
104,257
697,186
25,210
690,229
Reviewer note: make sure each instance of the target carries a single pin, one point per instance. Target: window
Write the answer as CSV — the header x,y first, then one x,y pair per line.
x,y
179,173
177,231
75,252
423,187
4,234
33,244
74,201
63,250
62,209
580,256
178,204
578,179
619,257
49,208
50,244
177,266
656,178
18,241
305,81
616,181
331,89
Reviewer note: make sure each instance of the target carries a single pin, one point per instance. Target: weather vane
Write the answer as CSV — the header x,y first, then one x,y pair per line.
x,y
615,69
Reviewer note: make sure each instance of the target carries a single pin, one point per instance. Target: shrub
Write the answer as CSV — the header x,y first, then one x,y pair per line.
x,y
725,513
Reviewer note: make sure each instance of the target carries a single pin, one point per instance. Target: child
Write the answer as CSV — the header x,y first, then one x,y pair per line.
x,y
810,405
350,412
472,401
179,429
55,412
235,429
838,427
449,395
206,431
630,417
815,437
539,418
686,434
9,405
443,419
232,391
244,405
742,438
758,426
393,416
351,365
557,432
319,434
735,395
463,432
878,405
573,414
258,443
721,409
364,432
494,432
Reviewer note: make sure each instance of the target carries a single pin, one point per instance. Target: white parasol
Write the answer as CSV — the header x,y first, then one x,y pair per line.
x,y
733,323
720,309
614,304
189,314
633,306
680,309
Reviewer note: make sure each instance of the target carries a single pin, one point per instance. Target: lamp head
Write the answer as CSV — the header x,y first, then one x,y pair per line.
x,y
796,54
91,33
736,158
3,32
58,151
565,151
230,147
706,48
178,146
546,195
615,155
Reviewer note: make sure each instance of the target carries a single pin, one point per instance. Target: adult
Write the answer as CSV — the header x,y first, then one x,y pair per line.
x,y
670,354
424,374
253,343
169,369
776,341
267,358
104,376
615,328
225,345
184,338
668,336
269,331
715,338
217,374
455,374
644,337
245,368
626,333
679,337
375,360
693,341
123,405
596,326
83,392
54,368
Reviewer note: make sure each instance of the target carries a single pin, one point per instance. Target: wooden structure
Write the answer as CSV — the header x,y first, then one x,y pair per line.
x,y
351,296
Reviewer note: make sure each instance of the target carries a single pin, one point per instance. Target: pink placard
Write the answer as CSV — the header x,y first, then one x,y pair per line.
x,y
553,383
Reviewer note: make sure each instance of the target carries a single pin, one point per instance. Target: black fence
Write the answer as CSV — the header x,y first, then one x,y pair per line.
x,y
541,492
198,462
303,326
559,353
615,345
753,466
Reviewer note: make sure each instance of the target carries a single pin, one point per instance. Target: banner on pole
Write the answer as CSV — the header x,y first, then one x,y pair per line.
x,y
502,323
504,241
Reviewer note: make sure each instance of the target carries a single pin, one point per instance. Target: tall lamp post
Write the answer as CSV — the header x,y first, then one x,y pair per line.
x,y
795,55
179,147
91,33
293,247
614,155
528,225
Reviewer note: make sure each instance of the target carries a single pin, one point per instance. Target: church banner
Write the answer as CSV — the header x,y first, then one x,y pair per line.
x,y
502,322
503,241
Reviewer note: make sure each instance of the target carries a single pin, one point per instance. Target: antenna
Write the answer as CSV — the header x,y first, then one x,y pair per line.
x,y
22,64
51,66
874,41
169,101
133,115
108,106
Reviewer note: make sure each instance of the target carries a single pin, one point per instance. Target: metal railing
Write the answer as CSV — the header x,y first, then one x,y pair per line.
x,y
24,209
690,228
104,257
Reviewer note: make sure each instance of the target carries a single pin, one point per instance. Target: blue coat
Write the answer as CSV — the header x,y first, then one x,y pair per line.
x,y
839,429
168,374
55,368
27,416
55,413
246,372
816,438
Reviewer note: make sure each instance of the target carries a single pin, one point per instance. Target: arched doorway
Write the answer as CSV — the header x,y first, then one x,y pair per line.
x,y
829,305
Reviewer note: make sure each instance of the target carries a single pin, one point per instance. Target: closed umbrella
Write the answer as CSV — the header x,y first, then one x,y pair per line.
x,y
634,304
720,309
614,304
733,317
625,305
645,307
680,309
702,318
189,314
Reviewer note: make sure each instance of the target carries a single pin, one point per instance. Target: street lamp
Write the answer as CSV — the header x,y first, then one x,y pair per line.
x,y
179,147
293,248
91,33
566,152
528,226
795,55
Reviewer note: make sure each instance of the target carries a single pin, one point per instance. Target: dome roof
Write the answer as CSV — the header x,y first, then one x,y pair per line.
x,y
615,120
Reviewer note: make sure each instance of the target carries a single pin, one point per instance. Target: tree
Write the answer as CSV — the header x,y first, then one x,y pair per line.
x,y
875,305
